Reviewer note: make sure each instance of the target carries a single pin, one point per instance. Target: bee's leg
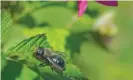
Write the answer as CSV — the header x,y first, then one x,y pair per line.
x,y
42,65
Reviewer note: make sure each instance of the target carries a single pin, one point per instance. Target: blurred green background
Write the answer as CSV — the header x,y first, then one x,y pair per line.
x,y
67,33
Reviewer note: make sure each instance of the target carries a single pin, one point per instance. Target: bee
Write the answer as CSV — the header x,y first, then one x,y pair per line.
x,y
51,58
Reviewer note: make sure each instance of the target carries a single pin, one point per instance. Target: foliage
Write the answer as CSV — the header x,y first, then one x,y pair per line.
x,y
56,25
6,22
23,53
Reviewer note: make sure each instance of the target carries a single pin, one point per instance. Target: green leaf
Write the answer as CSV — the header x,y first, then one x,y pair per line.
x,y
71,73
56,37
60,18
6,22
3,61
74,73
25,48
25,71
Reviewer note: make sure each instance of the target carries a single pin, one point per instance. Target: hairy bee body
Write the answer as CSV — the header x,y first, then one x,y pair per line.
x,y
49,57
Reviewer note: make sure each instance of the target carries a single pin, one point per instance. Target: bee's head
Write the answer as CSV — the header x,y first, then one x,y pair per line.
x,y
39,52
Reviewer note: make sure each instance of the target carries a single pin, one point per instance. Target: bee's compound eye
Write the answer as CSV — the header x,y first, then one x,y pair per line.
x,y
58,60
40,51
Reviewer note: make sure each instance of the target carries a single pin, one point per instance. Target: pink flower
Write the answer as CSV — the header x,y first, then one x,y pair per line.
x,y
82,5
108,2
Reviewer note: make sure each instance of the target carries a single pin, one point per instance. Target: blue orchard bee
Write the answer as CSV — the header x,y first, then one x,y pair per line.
x,y
51,58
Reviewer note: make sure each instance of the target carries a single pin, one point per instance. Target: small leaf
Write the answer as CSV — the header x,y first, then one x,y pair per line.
x,y
26,47
74,73
6,22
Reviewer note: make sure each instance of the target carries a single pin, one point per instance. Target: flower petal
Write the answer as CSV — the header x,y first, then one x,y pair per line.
x,y
82,5
108,2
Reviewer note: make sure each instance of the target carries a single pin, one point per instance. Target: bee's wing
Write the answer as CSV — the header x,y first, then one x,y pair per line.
x,y
48,52
53,64
62,54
